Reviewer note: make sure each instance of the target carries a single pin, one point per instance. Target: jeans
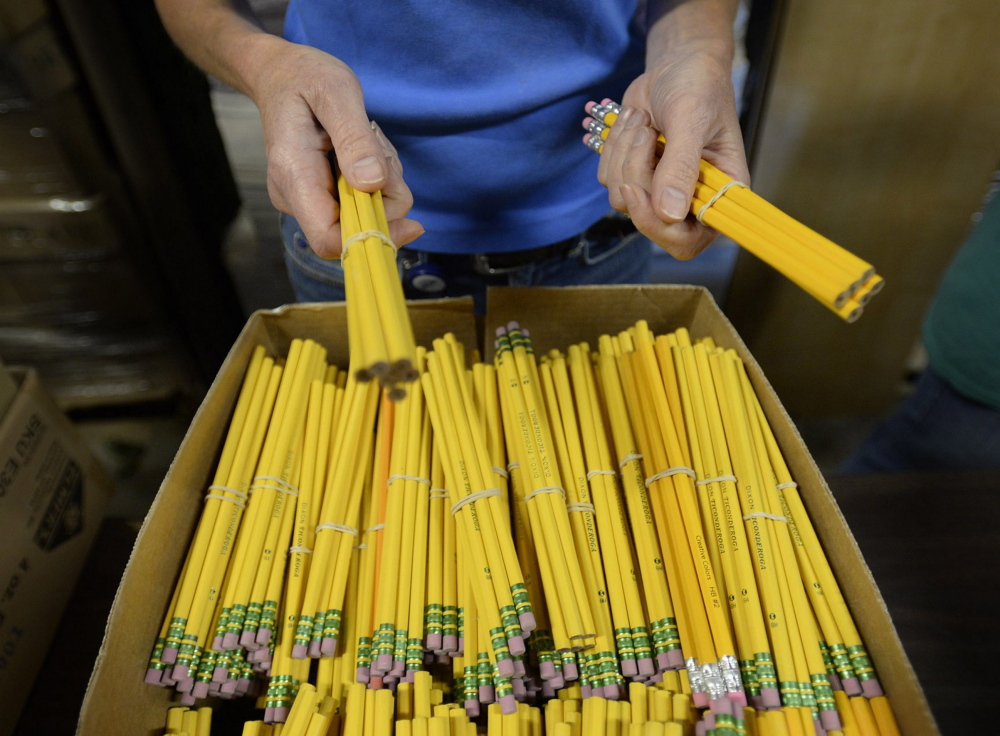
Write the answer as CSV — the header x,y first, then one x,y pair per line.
x,y
935,429
612,261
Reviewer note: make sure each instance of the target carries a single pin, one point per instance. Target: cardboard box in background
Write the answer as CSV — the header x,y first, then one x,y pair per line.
x,y
8,388
52,498
118,701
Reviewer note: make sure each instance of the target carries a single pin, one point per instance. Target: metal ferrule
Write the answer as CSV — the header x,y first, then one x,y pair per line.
x,y
613,107
596,127
598,112
695,677
714,684
730,668
595,144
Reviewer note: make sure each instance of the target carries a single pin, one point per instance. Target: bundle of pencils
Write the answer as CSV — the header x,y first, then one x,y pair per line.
x,y
834,276
379,329
576,529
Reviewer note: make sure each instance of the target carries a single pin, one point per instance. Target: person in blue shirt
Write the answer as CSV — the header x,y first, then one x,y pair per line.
x,y
466,114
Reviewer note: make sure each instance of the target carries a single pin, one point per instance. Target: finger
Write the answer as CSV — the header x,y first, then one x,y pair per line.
x,y
641,159
677,172
396,194
404,231
360,155
609,143
683,240
619,154
307,194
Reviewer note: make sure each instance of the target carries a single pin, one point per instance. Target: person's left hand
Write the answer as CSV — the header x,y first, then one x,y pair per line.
x,y
689,98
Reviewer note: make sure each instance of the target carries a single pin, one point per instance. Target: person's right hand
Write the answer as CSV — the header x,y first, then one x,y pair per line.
x,y
311,103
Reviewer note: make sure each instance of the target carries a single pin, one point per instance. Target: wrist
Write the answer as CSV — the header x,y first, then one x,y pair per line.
x,y
693,27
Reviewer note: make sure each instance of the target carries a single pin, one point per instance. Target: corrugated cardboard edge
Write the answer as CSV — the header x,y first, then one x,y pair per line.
x,y
177,509
694,306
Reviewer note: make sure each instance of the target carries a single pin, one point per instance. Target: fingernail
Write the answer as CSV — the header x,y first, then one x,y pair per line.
x,y
674,204
412,237
368,170
626,114
641,136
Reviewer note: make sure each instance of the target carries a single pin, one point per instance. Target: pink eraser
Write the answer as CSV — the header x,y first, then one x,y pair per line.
x,y
409,676
300,651
519,670
505,668
185,685
398,669
200,690
589,106
611,692
771,697
228,687
263,637
261,655
646,668
512,325
658,677
500,331
818,727
363,675
433,642
527,621
739,699
516,645
214,688
461,646
187,699
280,715
872,689
314,650
153,677
605,101
830,720
570,671
558,682
375,683
721,706
247,639
383,663
472,708
217,644
328,647
169,655
520,691
442,658
852,685
220,674
629,668
548,692
675,660
242,685
586,691
486,694
269,714
835,682
709,721
757,702
508,705
700,728
547,670
700,700
230,641
449,643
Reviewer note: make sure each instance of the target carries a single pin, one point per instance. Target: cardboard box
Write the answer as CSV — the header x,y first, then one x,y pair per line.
x,y
117,701
52,498
8,389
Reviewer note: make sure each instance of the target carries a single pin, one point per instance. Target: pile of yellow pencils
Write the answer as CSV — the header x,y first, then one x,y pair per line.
x,y
835,277
611,534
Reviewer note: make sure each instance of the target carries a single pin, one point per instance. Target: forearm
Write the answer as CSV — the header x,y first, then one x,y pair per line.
x,y
218,39
702,25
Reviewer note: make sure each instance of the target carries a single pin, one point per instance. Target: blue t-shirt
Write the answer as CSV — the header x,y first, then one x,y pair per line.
x,y
483,99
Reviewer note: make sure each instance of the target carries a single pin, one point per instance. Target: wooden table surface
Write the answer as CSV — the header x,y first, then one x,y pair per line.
x,y
928,540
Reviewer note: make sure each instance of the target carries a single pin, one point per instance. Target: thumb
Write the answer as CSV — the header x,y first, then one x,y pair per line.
x,y
676,173
360,156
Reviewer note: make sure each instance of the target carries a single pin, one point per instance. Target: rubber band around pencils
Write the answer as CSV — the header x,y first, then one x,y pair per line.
x,y
513,466
676,470
360,546
415,478
716,479
546,489
717,196
303,550
629,458
275,478
789,484
235,501
375,528
473,497
584,507
227,489
500,471
592,473
342,528
364,235
764,515
440,493
289,490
